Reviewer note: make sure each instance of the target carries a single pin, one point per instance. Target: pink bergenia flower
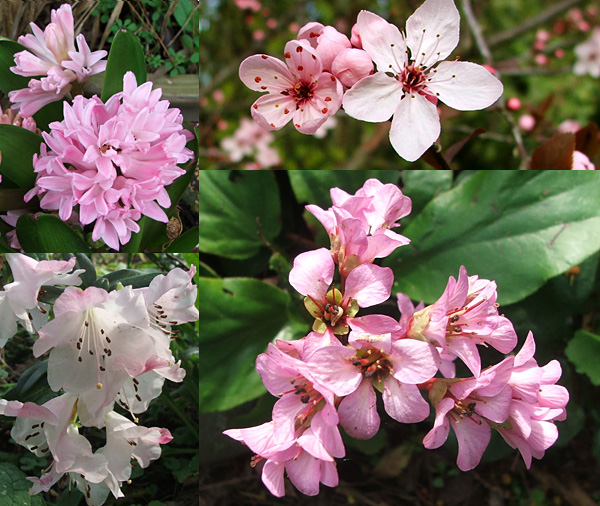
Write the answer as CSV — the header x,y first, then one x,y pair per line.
x,y
359,225
53,56
464,316
470,406
407,85
588,56
374,359
365,286
19,299
112,161
297,90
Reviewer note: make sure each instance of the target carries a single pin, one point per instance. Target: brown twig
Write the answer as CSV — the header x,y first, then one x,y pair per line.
x,y
484,49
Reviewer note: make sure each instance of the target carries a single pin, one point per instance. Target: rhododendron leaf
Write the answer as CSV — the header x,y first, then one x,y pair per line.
x,y
238,318
126,53
518,228
89,276
18,146
32,385
185,242
234,214
8,80
48,233
14,488
584,351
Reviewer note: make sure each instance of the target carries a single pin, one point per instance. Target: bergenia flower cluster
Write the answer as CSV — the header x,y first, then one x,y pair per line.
x,y
112,161
332,376
52,54
407,84
106,349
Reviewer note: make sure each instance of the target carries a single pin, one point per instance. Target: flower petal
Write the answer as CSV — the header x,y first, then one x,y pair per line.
x,y
374,98
415,127
432,31
383,41
369,284
358,412
261,72
273,111
464,86
403,402
302,60
312,273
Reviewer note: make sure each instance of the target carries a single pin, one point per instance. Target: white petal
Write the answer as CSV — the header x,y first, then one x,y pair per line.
x,y
464,85
383,41
415,127
261,72
374,98
433,29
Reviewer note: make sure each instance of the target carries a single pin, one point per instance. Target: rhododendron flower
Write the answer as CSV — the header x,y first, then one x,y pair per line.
x,y
297,90
408,85
112,161
588,56
359,225
53,55
464,316
19,299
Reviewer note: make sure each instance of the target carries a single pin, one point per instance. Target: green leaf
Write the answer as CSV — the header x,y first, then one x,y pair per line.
x,y
18,146
14,488
584,351
238,318
8,80
126,53
48,233
236,209
89,276
313,186
32,385
185,242
423,185
518,228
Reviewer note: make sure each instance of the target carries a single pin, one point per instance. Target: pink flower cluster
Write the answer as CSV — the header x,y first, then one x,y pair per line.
x,y
331,376
105,348
252,141
112,160
53,55
309,86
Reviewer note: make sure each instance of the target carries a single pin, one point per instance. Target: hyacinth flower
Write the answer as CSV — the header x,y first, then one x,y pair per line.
x,y
297,90
112,161
408,84
52,54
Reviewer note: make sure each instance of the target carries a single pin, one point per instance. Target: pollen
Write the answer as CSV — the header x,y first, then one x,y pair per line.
x,y
99,386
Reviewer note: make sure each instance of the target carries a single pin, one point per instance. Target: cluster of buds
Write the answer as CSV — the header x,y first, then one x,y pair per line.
x,y
331,377
106,348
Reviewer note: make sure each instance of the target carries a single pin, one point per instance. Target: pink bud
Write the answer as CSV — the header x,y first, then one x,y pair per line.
x,y
351,65
559,53
310,32
584,26
258,35
489,68
272,23
539,45
541,59
575,15
355,38
218,96
527,122
513,103
582,162
542,35
569,125
329,44
222,124
294,27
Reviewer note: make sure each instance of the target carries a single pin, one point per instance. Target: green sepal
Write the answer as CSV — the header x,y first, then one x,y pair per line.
x,y
341,329
438,391
334,296
312,308
319,326
420,320
352,309
378,385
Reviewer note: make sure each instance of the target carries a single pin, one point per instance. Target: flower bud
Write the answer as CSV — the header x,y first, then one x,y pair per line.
x,y
351,65
330,44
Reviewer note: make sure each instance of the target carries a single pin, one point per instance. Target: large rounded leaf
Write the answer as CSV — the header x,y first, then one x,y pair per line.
x,y
18,146
236,210
519,228
238,318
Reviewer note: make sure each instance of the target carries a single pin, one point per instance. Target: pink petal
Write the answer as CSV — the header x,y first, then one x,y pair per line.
x,y
403,402
432,29
383,41
465,349
369,284
261,72
414,361
373,98
358,412
473,439
302,60
272,477
332,367
437,436
269,111
305,473
415,127
313,273
464,86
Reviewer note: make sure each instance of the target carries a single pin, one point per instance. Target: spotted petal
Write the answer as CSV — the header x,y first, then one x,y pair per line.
x,y
261,72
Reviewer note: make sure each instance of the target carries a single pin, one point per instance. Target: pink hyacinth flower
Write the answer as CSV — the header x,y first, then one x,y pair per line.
x,y
297,90
407,85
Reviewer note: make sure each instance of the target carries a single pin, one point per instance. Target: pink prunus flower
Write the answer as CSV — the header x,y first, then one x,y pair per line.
x,y
407,83
53,55
112,160
588,56
297,90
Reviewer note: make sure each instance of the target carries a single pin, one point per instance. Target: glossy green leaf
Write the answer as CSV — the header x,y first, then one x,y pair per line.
x,y
584,352
238,318
312,186
8,80
236,209
14,488
518,228
48,233
18,146
185,242
126,53
32,385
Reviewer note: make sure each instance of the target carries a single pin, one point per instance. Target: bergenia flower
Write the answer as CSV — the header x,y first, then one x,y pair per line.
x,y
297,90
53,56
408,85
112,161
